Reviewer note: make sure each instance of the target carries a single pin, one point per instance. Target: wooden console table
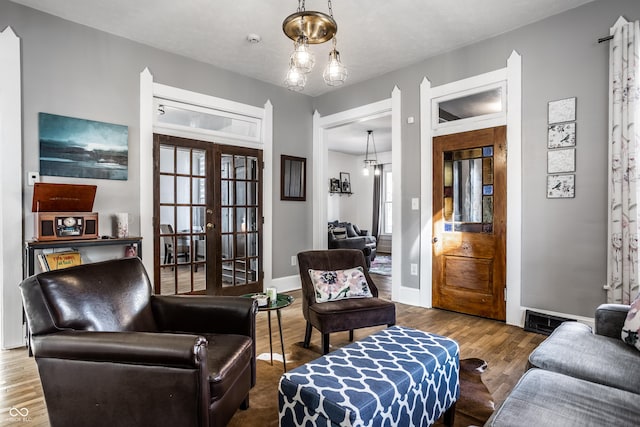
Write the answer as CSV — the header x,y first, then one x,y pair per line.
x,y
31,246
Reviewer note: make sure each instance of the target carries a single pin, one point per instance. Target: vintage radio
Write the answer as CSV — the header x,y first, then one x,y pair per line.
x,y
63,212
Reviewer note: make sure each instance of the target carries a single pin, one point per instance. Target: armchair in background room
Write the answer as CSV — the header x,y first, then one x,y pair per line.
x,y
109,353
345,235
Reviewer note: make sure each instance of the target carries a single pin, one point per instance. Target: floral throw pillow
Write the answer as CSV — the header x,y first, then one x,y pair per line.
x,y
339,284
631,326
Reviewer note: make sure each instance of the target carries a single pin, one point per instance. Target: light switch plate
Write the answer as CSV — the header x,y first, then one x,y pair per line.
x,y
415,203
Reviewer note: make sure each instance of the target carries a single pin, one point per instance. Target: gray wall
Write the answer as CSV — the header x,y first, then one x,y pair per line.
x,y
73,70
564,241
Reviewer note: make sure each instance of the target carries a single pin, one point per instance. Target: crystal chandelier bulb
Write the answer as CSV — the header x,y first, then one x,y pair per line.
x,y
295,79
302,58
365,170
335,73
376,171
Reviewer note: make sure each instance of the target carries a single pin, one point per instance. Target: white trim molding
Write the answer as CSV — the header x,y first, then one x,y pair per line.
x,y
390,106
149,91
11,330
512,75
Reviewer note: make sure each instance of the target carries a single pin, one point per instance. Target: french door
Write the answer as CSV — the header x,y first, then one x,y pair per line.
x,y
207,217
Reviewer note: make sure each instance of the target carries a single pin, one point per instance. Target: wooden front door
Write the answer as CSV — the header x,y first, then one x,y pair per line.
x,y
469,222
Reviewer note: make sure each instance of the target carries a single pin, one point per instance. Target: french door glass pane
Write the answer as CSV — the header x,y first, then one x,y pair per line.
x,y
166,159
182,190
183,163
166,189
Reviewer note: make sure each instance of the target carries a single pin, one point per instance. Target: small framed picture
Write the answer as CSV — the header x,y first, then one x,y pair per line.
x,y
345,182
562,110
334,185
561,135
561,160
561,186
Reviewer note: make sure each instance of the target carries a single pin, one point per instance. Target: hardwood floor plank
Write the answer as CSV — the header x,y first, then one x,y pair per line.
x,y
505,348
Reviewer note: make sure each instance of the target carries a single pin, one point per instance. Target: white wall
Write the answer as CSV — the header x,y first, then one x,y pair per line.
x,y
357,208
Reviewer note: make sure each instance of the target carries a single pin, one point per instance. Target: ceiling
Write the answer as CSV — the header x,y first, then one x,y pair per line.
x,y
374,36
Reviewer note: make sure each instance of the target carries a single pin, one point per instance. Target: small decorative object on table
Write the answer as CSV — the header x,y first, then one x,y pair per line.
x,y
263,299
272,294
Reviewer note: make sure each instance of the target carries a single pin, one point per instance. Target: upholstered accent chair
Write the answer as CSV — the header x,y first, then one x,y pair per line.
x,y
344,314
109,353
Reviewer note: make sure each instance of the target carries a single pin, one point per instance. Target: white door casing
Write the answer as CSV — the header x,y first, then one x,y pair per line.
x,y
512,75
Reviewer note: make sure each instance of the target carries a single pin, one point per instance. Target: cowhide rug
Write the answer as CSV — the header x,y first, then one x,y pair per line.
x,y
475,405
473,408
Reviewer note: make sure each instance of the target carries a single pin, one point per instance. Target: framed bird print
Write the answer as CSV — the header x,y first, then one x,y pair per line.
x,y
561,186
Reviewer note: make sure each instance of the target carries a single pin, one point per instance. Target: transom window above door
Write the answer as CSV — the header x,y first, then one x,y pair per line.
x,y
481,103
177,115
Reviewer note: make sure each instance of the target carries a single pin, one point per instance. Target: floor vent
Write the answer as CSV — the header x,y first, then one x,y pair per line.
x,y
542,323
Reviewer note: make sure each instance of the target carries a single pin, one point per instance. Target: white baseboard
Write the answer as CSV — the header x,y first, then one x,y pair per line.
x,y
285,284
409,296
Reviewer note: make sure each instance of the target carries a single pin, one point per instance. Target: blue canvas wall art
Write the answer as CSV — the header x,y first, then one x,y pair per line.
x,y
81,148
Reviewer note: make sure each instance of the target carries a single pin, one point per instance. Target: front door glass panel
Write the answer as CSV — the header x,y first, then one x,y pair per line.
x,y
468,190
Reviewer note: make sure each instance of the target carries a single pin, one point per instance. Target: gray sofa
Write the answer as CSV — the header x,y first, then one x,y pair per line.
x,y
578,378
350,236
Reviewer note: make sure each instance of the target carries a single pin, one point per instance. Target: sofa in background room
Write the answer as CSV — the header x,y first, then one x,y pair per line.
x,y
345,235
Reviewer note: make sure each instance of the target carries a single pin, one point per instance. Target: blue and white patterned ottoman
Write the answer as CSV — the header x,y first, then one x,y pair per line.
x,y
396,377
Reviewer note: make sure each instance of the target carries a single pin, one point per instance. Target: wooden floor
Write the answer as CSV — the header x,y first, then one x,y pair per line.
x,y
505,348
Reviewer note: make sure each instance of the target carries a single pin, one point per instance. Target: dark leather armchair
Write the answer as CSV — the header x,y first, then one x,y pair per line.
x,y
345,314
110,353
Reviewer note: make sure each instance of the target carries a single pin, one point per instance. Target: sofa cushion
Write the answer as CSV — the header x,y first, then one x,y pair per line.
x,y
552,399
631,326
351,232
332,285
339,233
572,349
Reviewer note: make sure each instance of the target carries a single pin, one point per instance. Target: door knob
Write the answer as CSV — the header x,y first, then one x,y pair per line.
x,y
209,225
435,240
209,211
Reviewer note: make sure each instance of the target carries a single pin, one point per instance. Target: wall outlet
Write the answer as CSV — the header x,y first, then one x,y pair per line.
x,y
294,260
414,269
32,178
415,203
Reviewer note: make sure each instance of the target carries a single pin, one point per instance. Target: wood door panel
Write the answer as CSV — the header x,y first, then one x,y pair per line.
x,y
469,274
475,304
470,247
469,222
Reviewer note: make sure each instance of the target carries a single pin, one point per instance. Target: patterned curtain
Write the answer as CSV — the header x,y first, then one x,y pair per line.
x,y
624,137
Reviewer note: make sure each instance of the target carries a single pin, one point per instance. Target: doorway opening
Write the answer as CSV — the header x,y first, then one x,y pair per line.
x,y
321,177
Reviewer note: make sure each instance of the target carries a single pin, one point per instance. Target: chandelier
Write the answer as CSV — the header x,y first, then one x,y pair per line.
x,y
310,27
373,161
